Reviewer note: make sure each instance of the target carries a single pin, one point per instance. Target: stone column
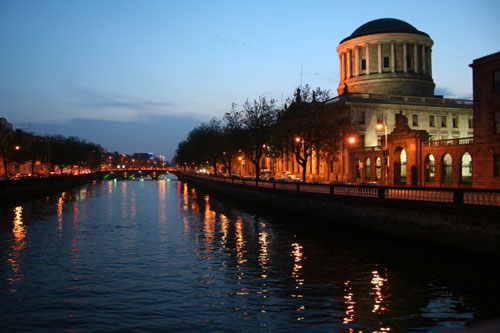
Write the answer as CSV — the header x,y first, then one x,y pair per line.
x,y
415,57
379,57
405,64
349,63
341,65
367,57
357,62
424,69
393,57
430,62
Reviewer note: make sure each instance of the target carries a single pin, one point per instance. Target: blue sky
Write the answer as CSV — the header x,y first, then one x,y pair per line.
x,y
136,76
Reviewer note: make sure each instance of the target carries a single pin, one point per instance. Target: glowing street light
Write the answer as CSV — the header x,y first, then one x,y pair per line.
x,y
297,139
351,140
17,147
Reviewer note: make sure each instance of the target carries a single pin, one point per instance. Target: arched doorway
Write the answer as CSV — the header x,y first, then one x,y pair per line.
x,y
446,168
430,169
466,169
358,169
400,166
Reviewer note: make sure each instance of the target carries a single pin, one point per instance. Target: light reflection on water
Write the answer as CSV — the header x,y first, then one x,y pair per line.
x,y
158,254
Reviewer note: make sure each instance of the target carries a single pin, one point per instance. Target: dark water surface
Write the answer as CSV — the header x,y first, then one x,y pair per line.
x,y
164,256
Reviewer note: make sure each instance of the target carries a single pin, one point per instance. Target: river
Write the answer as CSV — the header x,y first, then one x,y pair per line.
x,y
162,255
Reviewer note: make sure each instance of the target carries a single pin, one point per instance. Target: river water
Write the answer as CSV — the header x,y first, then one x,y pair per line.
x,y
165,256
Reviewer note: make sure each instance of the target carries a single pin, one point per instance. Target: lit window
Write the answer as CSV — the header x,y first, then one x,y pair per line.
x,y
455,122
443,121
415,120
432,122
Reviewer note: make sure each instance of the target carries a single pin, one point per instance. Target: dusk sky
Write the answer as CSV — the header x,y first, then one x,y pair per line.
x,y
136,76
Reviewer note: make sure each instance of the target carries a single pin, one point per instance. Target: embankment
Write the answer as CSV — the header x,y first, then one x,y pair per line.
x,y
14,191
474,228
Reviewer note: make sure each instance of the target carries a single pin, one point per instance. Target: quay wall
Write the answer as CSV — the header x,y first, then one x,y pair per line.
x,y
14,191
455,225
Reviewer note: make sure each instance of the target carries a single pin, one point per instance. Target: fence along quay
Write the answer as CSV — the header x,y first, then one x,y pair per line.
x,y
462,217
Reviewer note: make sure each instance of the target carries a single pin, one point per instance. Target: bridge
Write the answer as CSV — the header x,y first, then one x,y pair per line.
x,y
138,173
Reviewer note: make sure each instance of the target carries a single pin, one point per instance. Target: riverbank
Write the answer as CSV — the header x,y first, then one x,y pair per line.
x,y
15,191
472,228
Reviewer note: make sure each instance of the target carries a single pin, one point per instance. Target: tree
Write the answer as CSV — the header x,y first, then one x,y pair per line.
x,y
254,125
306,126
6,147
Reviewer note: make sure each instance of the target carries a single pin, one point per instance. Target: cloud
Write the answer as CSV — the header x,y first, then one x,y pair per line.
x,y
96,99
154,133
450,93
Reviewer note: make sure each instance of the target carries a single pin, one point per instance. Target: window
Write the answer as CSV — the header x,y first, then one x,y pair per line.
x,y
497,122
496,81
386,62
361,140
430,171
455,122
470,123
432,122
446,169
496,160
363,64
378,168
368,170
443,121
379,141
408,63
361,117
466,171
415,120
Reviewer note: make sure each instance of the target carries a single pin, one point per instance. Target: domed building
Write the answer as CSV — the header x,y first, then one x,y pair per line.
x,y
385,75
386,56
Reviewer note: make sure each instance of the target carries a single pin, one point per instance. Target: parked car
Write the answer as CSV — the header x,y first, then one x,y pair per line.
x,y
370,184
340,182
265,174
316,182
236,176
282,180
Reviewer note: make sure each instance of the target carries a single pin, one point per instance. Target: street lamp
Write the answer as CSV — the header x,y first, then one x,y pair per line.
x,y
383,124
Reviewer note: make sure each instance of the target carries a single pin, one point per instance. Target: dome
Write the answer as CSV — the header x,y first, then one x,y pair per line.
x,y
384,25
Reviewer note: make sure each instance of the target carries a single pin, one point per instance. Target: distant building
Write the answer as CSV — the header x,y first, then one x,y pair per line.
x,y
144,156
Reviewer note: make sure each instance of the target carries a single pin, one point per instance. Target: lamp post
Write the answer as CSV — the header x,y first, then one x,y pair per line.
x,y
383,124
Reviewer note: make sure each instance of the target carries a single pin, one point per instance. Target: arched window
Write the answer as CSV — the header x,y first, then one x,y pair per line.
x,y
368,170
430,169
466,170
378,168
446,169
358,169
402,159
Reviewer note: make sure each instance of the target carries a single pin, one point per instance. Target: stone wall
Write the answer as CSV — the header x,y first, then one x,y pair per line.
x,y
470,228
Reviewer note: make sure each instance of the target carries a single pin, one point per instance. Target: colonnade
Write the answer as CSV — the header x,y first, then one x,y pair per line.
x,y
351,59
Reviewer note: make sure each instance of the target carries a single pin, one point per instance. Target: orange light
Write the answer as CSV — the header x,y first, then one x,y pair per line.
x,y
297,139
17,147
352,140
379,126
240,158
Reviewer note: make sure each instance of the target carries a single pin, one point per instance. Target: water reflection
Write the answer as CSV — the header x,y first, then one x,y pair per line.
x,y
139,247
18,244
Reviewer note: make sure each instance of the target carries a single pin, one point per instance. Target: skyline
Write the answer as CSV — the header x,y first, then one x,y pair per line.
x,y
101,71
